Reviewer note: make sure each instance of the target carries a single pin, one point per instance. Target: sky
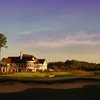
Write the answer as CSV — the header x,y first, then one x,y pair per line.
x,y
56,30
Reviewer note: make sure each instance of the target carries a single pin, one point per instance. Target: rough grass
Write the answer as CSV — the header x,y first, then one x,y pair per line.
x,y
82,73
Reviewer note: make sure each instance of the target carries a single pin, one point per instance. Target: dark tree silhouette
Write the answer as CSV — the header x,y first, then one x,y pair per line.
x,y
70,65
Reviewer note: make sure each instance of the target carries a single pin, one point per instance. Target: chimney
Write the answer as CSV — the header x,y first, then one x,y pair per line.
x,y
21,55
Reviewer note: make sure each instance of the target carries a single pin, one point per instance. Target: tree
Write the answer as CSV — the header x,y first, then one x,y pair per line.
x,y
3,42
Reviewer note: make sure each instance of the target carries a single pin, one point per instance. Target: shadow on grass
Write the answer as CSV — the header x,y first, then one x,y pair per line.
x,y
86,93
50,81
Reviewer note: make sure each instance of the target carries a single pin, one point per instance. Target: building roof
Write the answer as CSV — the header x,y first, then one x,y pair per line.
x,y
25,58
18,60
27,55
40,61
4,61
7,60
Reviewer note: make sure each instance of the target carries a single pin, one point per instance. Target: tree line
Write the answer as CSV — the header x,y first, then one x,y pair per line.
x,y
70,65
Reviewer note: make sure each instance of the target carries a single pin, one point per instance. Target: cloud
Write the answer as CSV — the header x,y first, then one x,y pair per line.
x,y
24,32
43,29
72,39
73,13
35,31
63,40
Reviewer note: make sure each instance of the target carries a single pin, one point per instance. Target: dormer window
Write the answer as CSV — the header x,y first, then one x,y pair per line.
x,y
33,58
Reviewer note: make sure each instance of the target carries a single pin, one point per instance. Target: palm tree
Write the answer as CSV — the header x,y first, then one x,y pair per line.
x,y
3,41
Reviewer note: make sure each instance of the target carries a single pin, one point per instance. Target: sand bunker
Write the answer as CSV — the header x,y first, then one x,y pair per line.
x,y
16,87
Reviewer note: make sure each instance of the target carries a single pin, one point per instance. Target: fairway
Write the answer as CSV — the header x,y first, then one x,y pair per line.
x,y
36,74
32,76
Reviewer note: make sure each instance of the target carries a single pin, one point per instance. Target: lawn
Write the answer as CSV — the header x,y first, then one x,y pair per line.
x,y
36,74
84,93
44,76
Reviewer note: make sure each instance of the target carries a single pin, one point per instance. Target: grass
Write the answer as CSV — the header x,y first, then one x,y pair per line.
x,y
84,93
82,73
37,74
44,76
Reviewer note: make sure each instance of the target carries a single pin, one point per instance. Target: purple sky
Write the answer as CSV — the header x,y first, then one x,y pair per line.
x,y
53,29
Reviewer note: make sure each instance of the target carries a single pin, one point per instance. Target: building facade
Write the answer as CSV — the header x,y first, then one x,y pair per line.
x,y
24,62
